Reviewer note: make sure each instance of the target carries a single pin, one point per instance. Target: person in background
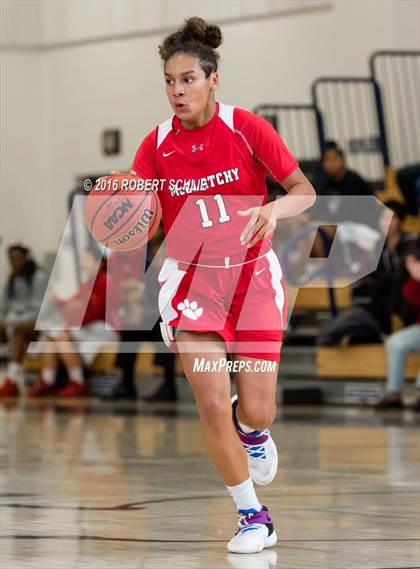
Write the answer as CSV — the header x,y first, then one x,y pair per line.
x,y
403,342
125,268
90,299
21,300
140,302
164,358
336,178
408,179
382,288
376,297
335,181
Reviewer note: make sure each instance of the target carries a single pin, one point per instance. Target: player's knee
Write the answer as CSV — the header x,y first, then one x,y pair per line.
x,y
258,415
395,343
214,411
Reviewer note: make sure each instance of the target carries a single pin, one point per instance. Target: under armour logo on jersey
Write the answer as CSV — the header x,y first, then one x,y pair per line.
x,y
195,148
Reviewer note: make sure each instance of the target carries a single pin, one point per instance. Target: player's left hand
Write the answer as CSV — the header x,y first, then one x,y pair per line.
x,y
168,336
262,224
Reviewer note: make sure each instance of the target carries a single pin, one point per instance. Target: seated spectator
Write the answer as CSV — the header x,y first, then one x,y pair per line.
x,y
380,292
128,266
408,179
21,300
376,297
403,342
96,327
320,176
164,358
141,302
335,180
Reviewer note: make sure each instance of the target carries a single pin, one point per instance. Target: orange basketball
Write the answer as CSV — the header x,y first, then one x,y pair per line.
x,y
120,213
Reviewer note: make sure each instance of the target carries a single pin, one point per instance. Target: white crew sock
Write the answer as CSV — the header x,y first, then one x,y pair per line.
x,y
14,371
244,496
76,374
244,428
48,375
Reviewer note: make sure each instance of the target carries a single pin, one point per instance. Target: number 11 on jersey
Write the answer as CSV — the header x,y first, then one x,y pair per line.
x,y
224,217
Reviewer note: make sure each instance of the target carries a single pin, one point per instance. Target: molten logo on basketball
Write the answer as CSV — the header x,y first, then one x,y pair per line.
x,y
118,213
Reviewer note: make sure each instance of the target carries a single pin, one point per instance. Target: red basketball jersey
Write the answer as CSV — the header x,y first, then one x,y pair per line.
x,y
209,174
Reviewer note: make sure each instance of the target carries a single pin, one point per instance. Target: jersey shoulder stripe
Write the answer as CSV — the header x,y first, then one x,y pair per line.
x,y
244,124
226,115
163,130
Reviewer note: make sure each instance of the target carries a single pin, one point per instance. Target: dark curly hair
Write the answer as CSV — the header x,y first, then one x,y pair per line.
x,y
27,272
197,38
413,248
398,208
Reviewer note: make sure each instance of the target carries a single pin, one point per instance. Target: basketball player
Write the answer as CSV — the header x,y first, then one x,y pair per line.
x,y
222,285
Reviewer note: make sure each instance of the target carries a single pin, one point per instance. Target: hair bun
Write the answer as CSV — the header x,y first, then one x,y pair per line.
x,y
199,30
196,37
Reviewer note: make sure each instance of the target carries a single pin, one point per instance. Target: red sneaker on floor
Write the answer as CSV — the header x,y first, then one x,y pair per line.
x,y
9,389
42,389
73,389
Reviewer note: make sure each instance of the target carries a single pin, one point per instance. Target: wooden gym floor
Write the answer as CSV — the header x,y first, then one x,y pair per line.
x,y
103,485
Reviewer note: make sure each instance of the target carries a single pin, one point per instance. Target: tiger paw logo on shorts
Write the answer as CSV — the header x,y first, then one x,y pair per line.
x,y
190,310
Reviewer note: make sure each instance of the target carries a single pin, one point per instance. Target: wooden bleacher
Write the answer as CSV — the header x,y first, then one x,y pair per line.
x,y
317,298
359,361
352,362
105,362
391,191
412,225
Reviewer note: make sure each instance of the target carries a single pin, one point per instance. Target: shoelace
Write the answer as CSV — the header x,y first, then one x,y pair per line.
x,y
248,528
257,452
250,521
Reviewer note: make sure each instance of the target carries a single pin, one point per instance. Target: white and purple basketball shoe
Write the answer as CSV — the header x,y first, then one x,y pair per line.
x,y
255,532
261,451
